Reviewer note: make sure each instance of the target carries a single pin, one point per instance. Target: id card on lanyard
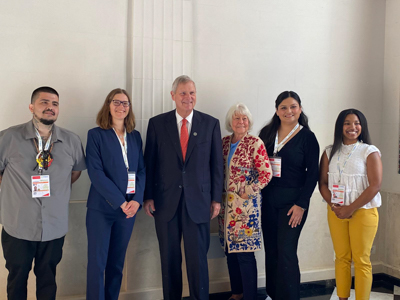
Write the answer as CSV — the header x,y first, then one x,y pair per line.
x,y
40,184
131,187
339,190
131,183
276,162
276,165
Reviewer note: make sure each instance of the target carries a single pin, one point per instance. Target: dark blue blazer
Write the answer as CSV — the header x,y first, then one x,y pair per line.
x,y
107,171
200,177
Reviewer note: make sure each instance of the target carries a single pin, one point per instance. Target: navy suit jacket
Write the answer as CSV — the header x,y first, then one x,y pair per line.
x,y
107,170
200,177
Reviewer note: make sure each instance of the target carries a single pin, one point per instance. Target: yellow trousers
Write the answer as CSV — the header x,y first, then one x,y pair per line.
x,y
352,240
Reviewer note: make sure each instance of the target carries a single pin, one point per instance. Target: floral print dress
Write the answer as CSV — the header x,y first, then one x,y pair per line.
x,y
249,172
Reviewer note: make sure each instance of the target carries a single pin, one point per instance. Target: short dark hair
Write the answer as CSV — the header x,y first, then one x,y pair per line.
x,y
104,119
43,89
268,132
338,137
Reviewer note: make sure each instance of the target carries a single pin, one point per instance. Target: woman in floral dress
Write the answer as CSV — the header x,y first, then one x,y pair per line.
x,y
247,171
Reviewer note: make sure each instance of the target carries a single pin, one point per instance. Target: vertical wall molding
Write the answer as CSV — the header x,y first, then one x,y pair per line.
x,y
159,48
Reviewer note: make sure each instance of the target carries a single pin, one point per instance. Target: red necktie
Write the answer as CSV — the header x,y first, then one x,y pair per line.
x,y
184,138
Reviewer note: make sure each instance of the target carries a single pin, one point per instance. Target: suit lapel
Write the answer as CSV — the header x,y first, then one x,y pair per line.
x,y
194,131
172,129
130,139
116,144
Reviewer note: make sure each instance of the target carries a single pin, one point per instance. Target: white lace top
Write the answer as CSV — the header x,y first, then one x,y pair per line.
x,y
354,175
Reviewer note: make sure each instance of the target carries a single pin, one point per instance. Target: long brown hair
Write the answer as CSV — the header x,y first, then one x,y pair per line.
x,y
104,119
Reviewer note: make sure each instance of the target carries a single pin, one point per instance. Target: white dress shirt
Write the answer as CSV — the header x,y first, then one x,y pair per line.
x,y
188,123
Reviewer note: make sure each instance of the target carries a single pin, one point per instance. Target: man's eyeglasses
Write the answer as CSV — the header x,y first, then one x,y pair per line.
x,y
118,103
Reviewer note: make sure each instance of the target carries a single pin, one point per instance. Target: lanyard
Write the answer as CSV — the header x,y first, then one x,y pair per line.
x,y
40,142
279,146
346,160
124,149
43,157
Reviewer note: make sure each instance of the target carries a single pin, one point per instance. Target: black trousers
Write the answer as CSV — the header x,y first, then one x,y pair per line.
x,y
19,255
280,243
243,274
196,240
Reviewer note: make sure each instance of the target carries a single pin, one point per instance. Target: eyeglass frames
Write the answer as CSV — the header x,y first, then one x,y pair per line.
x,y
118,103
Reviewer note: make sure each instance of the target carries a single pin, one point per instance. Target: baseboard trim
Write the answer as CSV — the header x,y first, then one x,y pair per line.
x,y
329,273
391,271
322,277
143,294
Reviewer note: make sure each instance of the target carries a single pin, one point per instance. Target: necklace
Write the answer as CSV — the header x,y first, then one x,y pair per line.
x,y
346,149
121,136
345,153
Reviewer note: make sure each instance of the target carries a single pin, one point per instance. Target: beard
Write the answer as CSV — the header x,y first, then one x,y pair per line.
x,y
46,122
43,120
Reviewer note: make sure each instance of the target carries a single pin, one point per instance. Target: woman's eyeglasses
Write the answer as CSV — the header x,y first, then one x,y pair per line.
x,y
118,103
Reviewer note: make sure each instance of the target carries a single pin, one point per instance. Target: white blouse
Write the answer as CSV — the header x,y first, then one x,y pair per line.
x,y
354,175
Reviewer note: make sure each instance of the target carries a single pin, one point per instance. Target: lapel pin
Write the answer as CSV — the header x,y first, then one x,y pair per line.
x,y
195,133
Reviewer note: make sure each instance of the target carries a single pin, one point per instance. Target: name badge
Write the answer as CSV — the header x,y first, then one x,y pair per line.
x,y
338,191
276,165
40,186
131,183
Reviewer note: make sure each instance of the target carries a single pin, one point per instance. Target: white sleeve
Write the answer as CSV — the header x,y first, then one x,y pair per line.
x,y
328,150
371,149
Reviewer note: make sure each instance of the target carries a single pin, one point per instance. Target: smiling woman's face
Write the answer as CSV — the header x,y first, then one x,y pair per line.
x,y
240,124
289,111
351,129
119,112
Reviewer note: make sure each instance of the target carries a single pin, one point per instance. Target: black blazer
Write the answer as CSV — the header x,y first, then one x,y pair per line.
x,y
200,177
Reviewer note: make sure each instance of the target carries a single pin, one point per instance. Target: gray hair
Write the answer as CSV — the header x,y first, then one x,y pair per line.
x,y
181,79
237,109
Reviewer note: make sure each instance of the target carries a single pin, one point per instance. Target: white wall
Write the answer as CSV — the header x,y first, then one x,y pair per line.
x,y
390,253
391,98
331,52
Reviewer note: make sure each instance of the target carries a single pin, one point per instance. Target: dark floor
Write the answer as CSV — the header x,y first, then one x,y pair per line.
x,y
322,290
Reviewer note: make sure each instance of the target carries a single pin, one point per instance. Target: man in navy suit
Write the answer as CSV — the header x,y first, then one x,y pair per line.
x,y
184,180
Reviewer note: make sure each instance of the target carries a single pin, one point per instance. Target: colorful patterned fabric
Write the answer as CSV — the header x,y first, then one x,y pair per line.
x,y
249,172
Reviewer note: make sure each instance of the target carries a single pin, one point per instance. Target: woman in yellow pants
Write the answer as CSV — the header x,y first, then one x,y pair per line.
x,y
350,180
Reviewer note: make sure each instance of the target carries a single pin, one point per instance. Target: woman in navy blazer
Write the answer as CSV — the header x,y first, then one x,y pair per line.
x,y
113,150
